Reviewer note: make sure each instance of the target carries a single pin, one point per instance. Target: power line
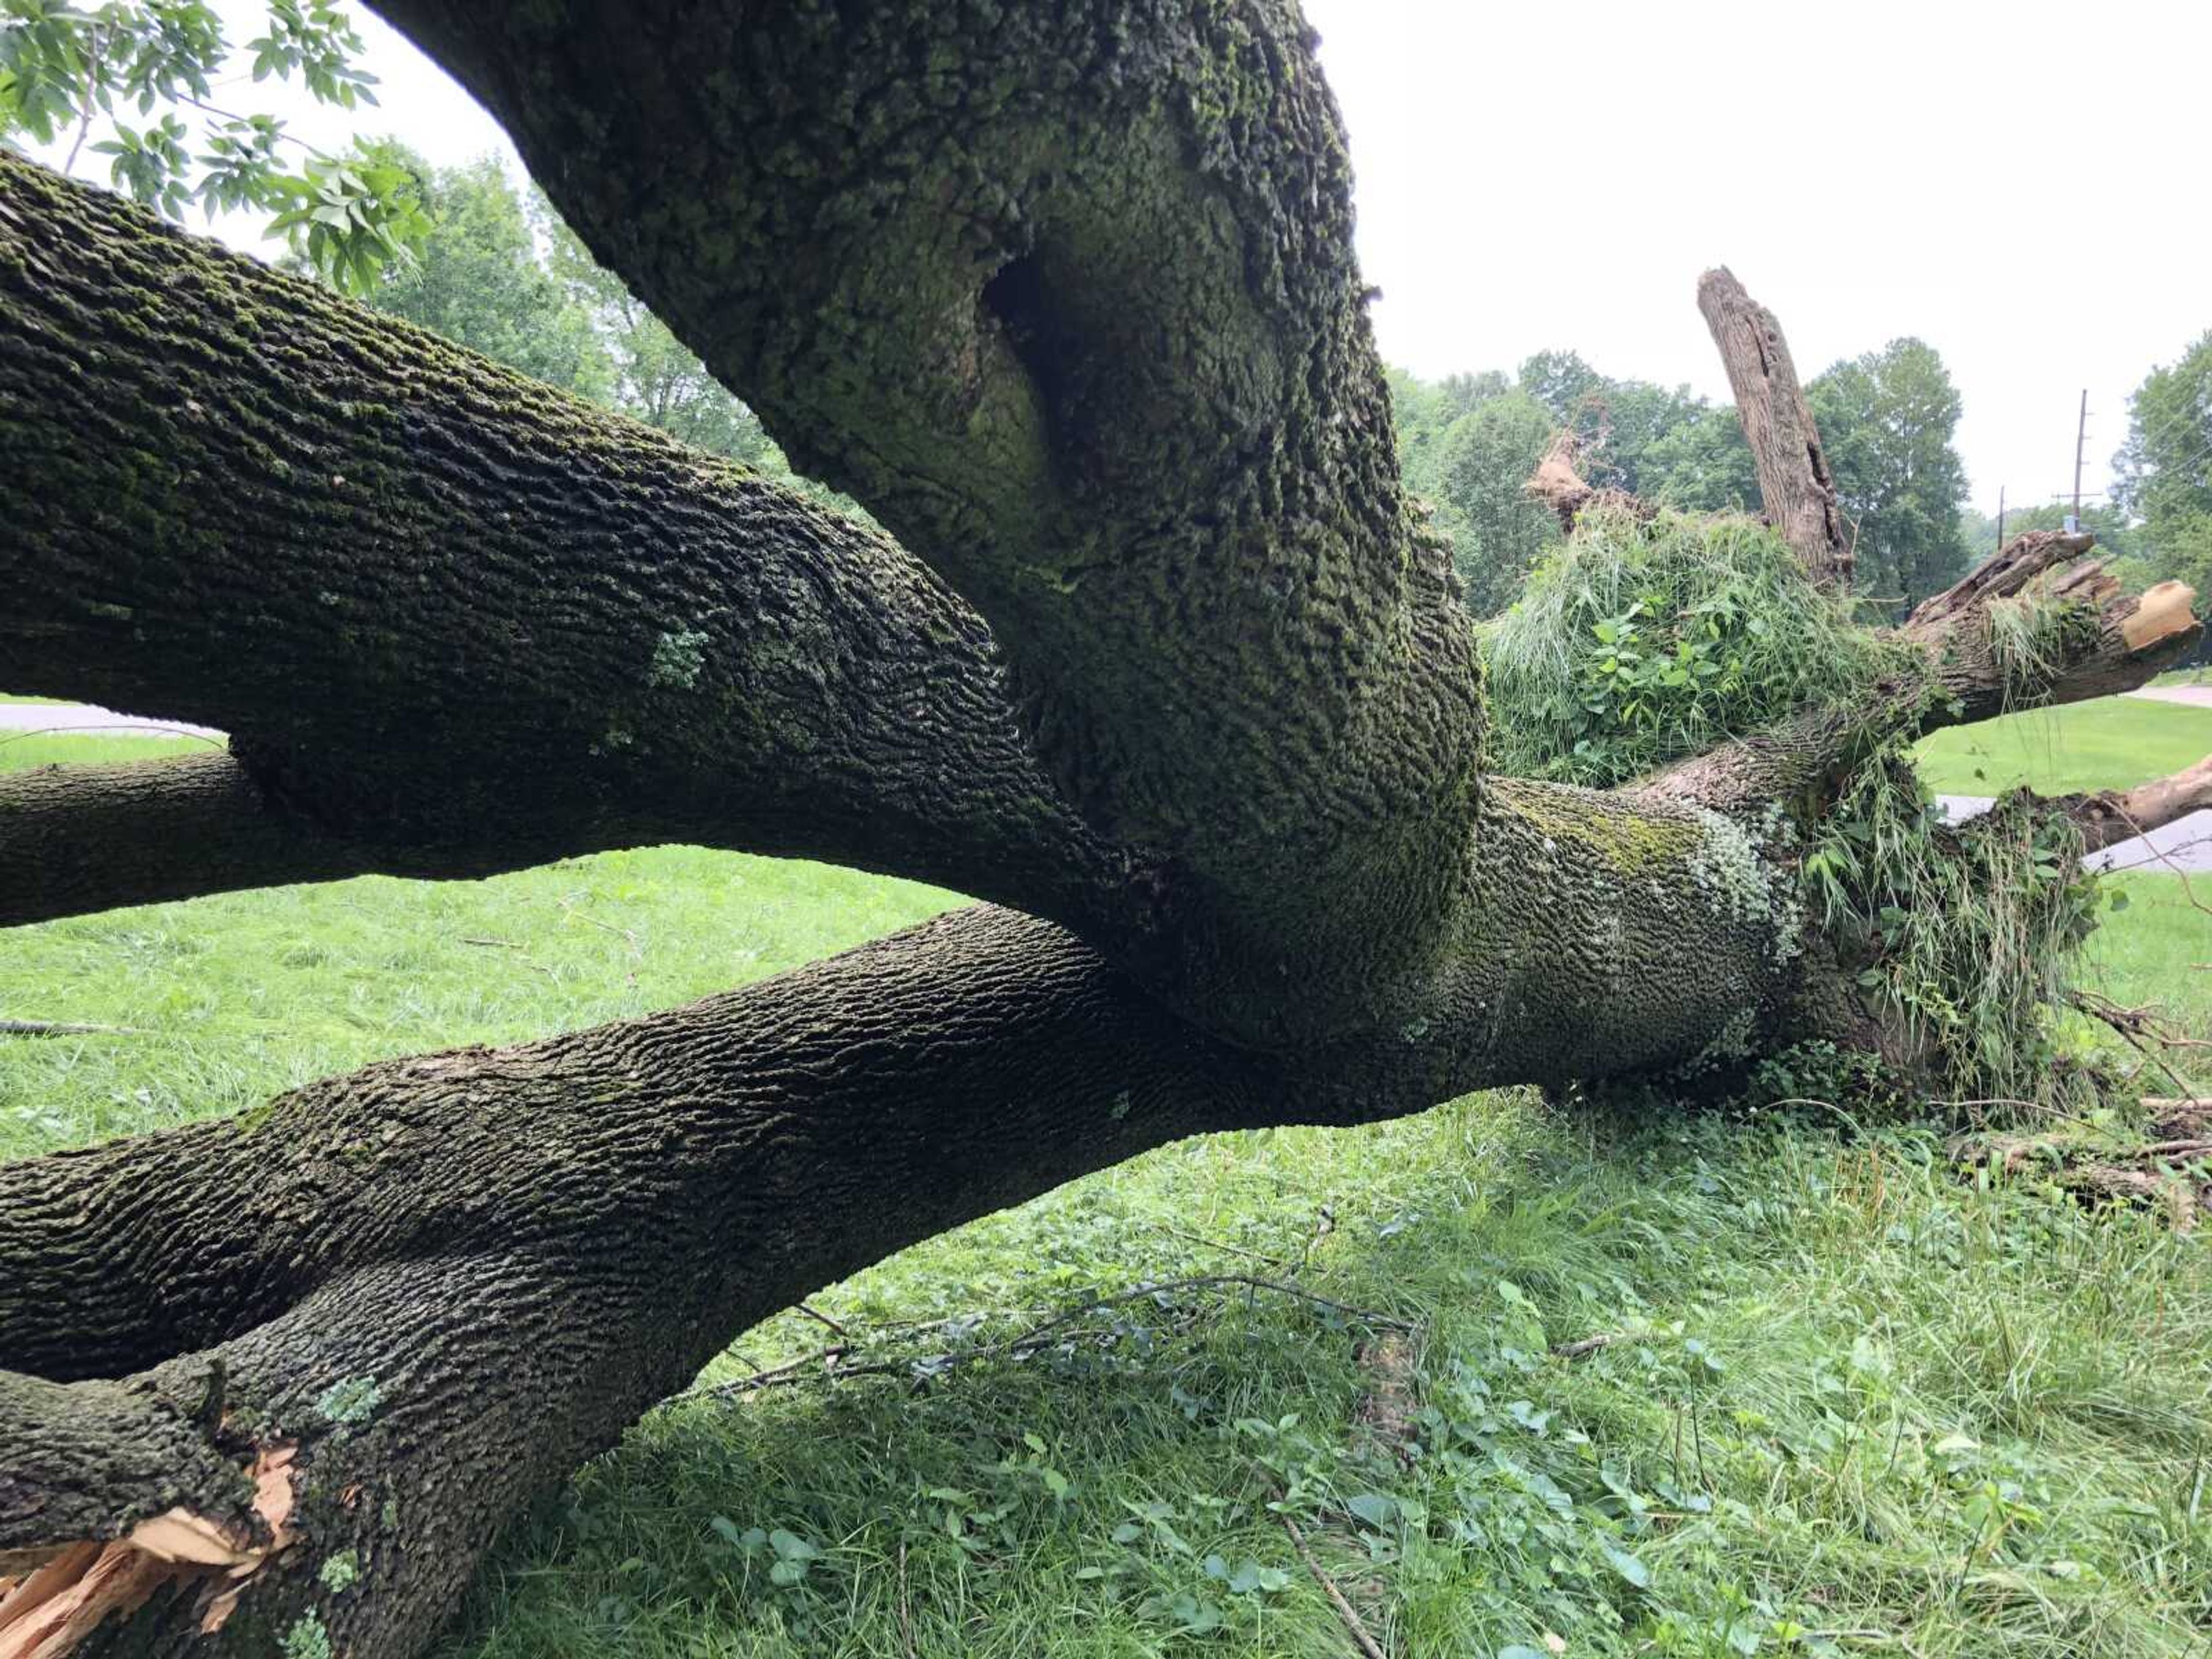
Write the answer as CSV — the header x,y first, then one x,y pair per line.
x,y
2185,417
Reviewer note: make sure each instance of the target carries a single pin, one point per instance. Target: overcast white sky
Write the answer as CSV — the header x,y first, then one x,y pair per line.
x,y
2023,186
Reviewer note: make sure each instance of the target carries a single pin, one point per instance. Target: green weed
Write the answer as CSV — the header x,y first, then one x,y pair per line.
x,y
1637,642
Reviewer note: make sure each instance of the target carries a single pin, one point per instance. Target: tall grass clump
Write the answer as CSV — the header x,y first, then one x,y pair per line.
x,y
2032,635
1968,934
1637,642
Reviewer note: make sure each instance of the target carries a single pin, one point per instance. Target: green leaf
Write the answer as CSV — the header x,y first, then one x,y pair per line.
x,y
1251,1578
751,1539
1373,1508
1629,1567
790,1547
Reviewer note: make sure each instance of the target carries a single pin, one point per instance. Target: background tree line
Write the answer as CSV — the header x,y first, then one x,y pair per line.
x,y
1888,419
497,270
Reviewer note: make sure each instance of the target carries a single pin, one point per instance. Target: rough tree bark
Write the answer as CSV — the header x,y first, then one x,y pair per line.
x,y
1161,661
455,621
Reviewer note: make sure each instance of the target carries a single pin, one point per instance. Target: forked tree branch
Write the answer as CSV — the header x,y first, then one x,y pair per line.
x,y
436,1286
1066,295
454,620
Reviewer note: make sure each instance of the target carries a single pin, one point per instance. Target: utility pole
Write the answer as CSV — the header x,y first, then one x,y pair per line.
x,y
2080,439
2000,518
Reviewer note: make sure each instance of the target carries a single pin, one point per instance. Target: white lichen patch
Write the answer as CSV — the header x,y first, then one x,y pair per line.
x,y
678,660
340,1572
1726,869
351,1401
1740,884
307,1639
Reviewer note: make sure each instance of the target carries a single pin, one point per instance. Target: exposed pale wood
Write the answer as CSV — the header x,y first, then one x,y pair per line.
x,y
18,1598
1558,485
115,1582
2162,612
178,1534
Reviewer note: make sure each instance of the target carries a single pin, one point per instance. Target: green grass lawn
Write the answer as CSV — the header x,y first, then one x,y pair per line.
x,y
1851,1404
2111,743
19,750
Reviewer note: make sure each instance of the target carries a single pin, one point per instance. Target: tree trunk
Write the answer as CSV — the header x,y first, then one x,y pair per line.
x,y
1073,311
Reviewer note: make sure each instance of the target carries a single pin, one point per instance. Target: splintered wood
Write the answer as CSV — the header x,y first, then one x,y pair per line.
x,y
47,1613
2162,612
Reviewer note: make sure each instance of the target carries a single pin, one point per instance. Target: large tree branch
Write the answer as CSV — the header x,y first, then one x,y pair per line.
x,y
429,1289
441,1282
2037,623
2034,625
1066,295
454,620
2108,816
85,838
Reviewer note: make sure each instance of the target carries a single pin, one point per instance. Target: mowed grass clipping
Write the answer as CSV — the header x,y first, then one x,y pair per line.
x,y
1846,1402
2114,743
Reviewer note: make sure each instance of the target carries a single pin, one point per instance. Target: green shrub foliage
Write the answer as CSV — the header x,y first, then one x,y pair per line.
x,y
1640,642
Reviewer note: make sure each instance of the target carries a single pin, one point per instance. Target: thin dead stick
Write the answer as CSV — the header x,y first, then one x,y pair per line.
x,y
63,1028
906,1616
834,1370
2166,858
2145,1019
791,1371
568,909
821,1318
2166,1149
1352,1622
1219,1244
503,944
2126,1021
1212,1281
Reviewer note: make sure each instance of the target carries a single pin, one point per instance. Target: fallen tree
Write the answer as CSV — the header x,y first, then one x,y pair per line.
x,y
1162,663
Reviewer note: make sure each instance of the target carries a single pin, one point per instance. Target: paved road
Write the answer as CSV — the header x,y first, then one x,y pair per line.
x,y
2197,696
83,717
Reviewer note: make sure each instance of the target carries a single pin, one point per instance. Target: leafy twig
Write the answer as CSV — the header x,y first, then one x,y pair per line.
x,y
839,1362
